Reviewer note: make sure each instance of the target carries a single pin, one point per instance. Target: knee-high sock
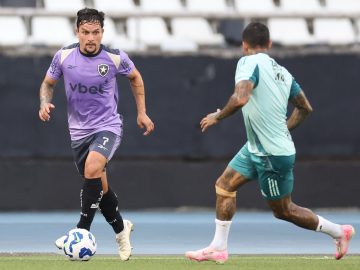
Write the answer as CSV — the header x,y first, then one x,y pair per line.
x,y
109,209
90,197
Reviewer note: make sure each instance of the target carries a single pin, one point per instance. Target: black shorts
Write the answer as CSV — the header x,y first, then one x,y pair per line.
x,y
103,142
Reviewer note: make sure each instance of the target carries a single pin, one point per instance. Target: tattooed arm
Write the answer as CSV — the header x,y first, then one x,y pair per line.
x,y
46,95
301,111
137,86
238,99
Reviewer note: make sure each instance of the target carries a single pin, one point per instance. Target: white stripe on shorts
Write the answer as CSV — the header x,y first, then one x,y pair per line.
x,y
116,145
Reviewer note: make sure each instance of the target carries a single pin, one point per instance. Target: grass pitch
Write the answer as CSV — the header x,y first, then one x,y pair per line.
x,y
58,262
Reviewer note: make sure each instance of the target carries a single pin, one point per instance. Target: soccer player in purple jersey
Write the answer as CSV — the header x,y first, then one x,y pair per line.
x,y
89,70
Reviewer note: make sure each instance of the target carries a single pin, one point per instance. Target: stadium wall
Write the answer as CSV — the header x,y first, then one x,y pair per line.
x,y
177,165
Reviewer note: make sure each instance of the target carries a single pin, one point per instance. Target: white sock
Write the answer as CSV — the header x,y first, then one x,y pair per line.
x,y
326,226
221,234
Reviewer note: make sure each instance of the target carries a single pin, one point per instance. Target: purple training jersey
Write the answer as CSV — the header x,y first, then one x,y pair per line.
x,y
91,88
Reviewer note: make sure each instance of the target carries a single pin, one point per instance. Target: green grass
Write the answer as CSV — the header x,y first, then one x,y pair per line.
x,y
99,262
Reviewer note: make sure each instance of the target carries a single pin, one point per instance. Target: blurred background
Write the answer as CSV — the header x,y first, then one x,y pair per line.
x,y
186,51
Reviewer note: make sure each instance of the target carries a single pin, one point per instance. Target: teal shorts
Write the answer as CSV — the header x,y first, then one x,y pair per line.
x,y
274,173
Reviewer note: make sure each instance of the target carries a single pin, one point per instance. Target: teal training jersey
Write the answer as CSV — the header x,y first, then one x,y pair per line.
x,y
265,113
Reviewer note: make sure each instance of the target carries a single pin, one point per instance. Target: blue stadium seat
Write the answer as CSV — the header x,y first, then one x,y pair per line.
x,y
18,3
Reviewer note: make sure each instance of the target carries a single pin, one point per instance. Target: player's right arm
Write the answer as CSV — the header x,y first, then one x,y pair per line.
x,y
237,100
246,79
301,111
46,95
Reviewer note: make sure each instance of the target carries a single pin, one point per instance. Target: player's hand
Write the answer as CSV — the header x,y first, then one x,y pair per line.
x,y
144,121
209,120
44,112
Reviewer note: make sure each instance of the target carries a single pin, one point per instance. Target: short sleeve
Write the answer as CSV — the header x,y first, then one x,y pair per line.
x,y
55,71
247,70
126,65
295,89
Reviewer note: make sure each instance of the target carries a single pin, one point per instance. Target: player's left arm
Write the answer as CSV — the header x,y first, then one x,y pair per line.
x,y
238,99
301,111
138,89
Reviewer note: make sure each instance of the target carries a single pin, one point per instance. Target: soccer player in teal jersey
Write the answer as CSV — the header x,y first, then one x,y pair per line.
x,y
89,70
262,90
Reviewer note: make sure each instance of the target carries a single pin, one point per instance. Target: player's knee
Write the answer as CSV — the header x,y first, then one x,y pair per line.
x,y
278,214
93,170
224,191
282,213
224,183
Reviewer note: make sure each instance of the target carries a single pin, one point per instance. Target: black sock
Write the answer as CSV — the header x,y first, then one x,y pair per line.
x,y
90,196
109,209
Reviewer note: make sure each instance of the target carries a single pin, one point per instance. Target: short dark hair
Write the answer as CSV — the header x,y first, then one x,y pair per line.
x,y
90,15
256,34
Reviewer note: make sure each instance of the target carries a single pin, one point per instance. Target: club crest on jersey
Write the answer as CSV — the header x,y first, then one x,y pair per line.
x,y
103,69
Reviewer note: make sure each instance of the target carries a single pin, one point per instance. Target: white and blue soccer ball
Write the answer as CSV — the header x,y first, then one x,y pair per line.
x,y
79,245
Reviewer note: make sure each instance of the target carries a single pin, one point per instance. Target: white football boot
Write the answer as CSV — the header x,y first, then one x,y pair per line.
x,y
123,240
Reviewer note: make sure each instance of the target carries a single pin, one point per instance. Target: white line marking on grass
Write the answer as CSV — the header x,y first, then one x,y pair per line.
x,y
317,258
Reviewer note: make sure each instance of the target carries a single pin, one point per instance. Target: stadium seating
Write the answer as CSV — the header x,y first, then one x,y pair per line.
x,y
18,3
161,5
126,44
118,40
14,31
197,30
357,24
150,31
153,33
304,6
186,25
178,45
115,5
295,33
231,30
334,31
110,33
64,5
207,6
51,31
343,5
258,6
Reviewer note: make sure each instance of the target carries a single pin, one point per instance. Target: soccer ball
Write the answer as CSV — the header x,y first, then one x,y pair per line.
x,y
79,245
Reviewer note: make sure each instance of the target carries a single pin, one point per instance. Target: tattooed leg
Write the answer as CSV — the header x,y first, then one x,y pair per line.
x,y
226,187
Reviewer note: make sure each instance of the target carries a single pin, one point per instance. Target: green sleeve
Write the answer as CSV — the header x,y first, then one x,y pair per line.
x,y
295,89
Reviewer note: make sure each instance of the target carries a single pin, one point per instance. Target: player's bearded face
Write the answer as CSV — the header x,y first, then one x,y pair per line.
x,y
90,35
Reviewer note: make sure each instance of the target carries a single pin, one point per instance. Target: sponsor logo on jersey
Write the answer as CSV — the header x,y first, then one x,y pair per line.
x,y
103,69
83,89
